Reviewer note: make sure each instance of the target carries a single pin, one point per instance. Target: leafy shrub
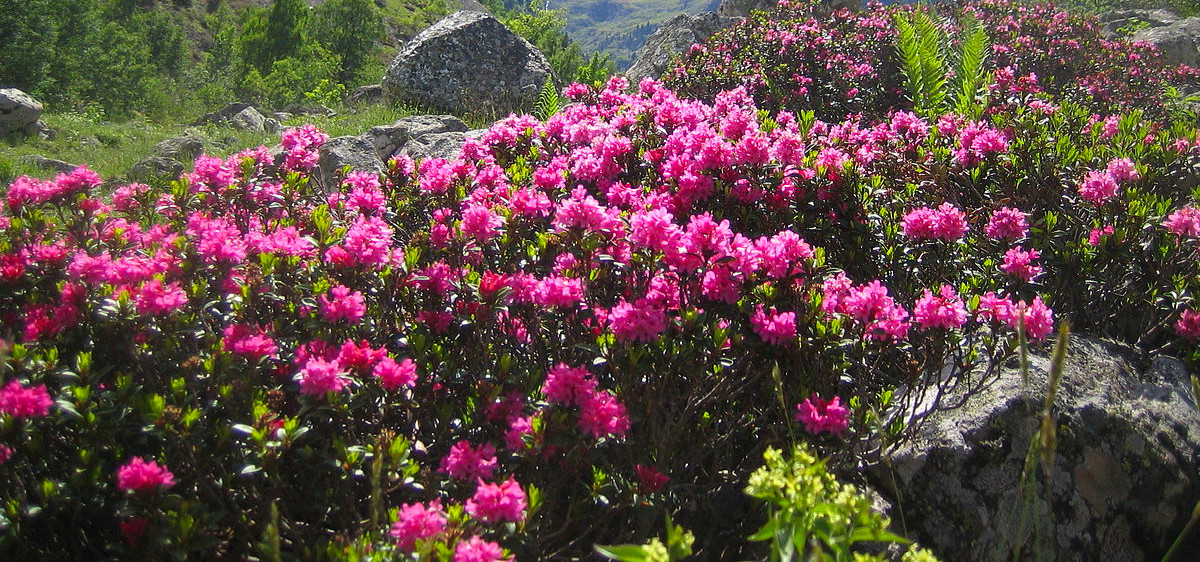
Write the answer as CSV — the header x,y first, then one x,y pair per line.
x,y
580,324
795,59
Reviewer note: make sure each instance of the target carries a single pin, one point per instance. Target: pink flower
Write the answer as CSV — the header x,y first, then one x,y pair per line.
x,y
1188,324
1007,224
1184,222
782,255
475,549
133,529
6,453
320,376
568,385
1123,169
1097,233
879,314
819,415
1039,318
650,480
21,402
1018,262
140,476
944,223
518,429
940,312
465,462
602,415
494,503
636,322
1098,187
342,304
481,223
778,328
368,241
153,298
558,292
393,375
417,522
250,342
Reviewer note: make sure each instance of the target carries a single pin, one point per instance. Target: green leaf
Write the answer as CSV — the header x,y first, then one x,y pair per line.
x,y
624,552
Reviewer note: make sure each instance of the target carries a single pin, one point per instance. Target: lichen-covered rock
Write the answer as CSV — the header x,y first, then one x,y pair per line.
x,y
48,163
19,113
389,139
356,152
155,168
1125,476
243,116
184,149
673,37
1120,23
1179,41
365,95
467,63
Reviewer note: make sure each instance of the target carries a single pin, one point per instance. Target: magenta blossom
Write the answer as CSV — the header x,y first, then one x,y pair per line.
x,y
342,304
417,522
475,549
1188,324
495,503
944,311
140,476
393,375
1007,223
24,402
467,463
778,328
820,416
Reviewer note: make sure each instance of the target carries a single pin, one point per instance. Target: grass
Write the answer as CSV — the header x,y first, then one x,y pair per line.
x,y
111,149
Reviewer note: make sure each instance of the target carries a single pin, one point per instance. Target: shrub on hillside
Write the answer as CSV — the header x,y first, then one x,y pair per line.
x,y
797,58
548,342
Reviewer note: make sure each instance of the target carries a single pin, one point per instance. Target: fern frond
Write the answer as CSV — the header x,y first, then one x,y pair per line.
x,y
970,71
910,57
933,66
548,100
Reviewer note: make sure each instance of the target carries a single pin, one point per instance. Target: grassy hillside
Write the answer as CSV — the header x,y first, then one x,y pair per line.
x,y
619,27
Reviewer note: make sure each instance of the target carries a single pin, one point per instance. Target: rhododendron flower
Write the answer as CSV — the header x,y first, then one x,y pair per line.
x,y
417,522
1184,222
1039,318
6,453
778,328
518,429
250,342
1123,169
602,415
342,304
133,529
1098,187
650,480
1018,262
153,298
1097,233
1007,223
944,223
558,292
393,375
24,402
944,311
475,549
320,376
1188,324
139,476
879,314
568,385
636,322
368,241
481,223
466,463
820,415
496,503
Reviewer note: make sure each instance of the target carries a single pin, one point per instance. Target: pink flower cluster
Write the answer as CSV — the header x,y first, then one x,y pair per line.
x,y
943,311
1038,318
20,401
497,503
467,463
138,475
600,413
823,416
944,223
417,522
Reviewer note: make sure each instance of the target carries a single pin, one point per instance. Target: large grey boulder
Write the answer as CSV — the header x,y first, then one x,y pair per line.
x,y
467,63
19,113
674,37
365,95
183,149
1124,479
389,139
356,152
48,163
1178,41
1121,23
155,168
243,116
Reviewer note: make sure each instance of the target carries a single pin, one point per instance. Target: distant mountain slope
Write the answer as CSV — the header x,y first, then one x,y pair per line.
x,y
619,27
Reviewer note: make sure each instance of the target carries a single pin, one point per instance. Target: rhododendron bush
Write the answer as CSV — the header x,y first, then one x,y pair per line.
x,y
800,57
577,326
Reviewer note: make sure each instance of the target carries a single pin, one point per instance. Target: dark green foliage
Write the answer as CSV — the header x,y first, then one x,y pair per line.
x,y
545,29
273,35
348,29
